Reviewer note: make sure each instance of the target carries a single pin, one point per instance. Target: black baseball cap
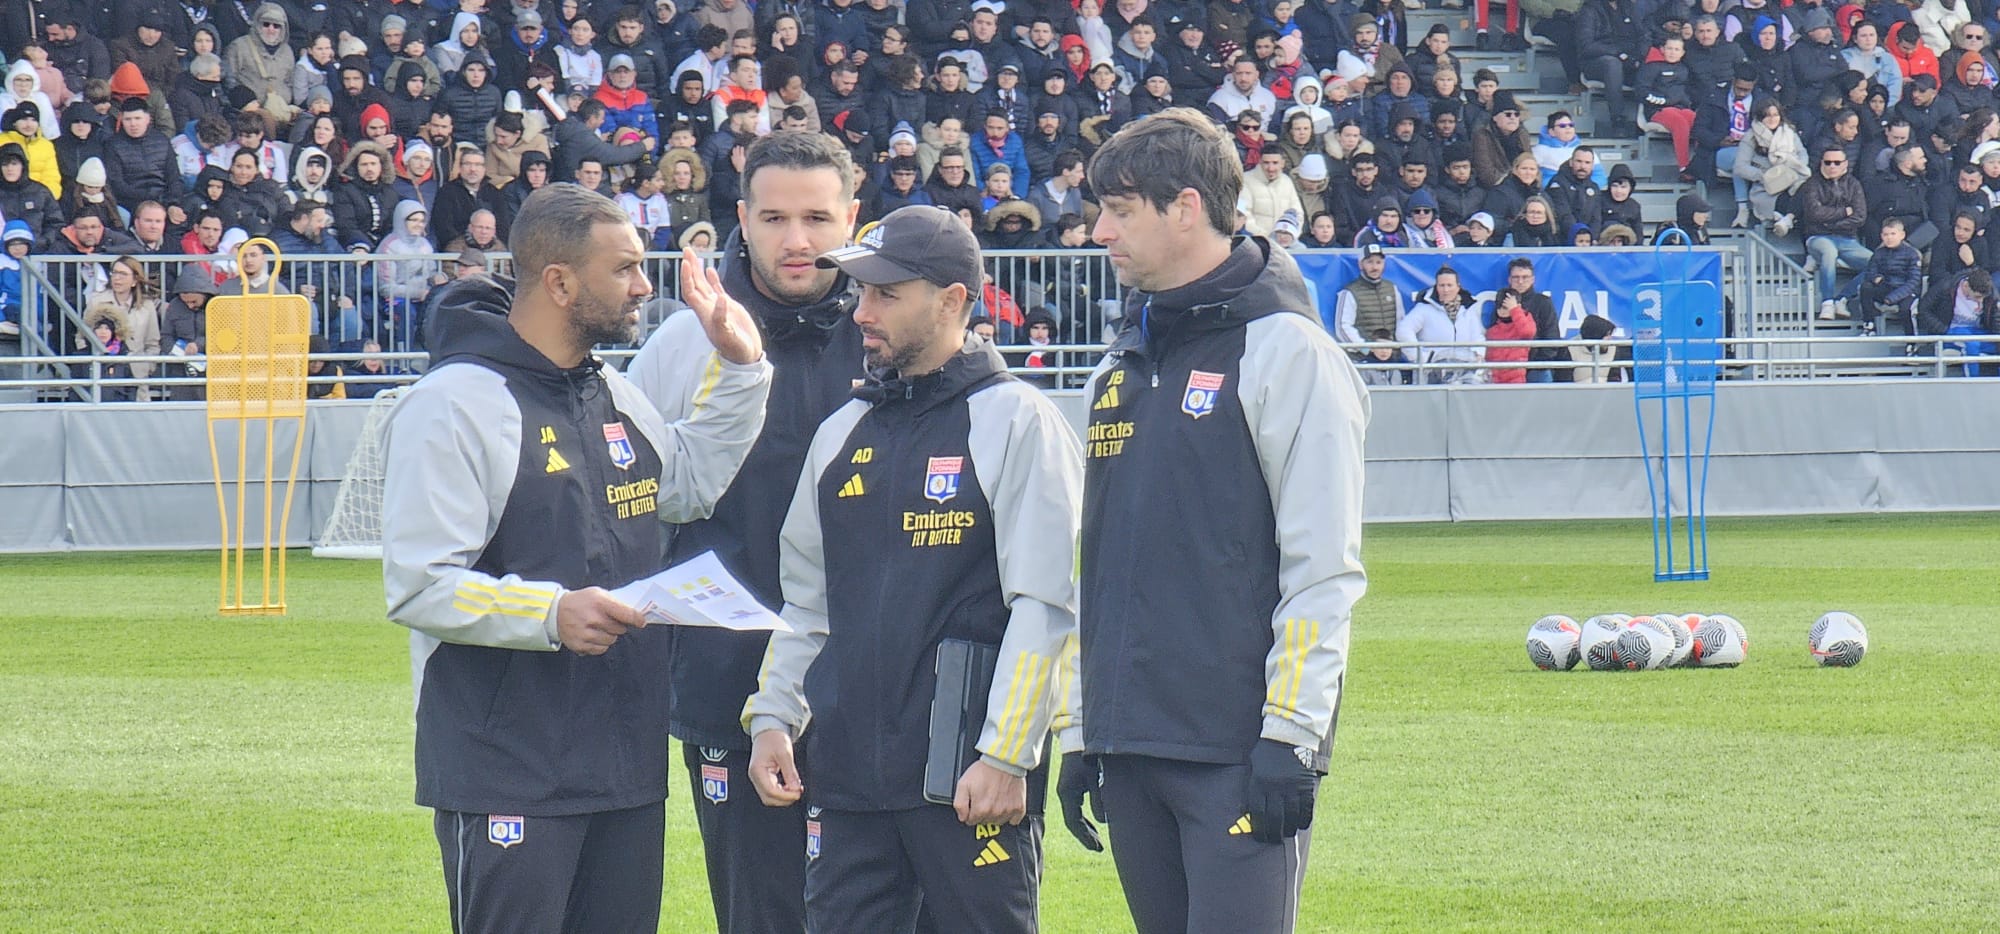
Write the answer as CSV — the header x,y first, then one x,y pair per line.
x,y
920,241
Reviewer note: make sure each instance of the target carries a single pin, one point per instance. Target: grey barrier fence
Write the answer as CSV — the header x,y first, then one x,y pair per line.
x,y
101,378
353,305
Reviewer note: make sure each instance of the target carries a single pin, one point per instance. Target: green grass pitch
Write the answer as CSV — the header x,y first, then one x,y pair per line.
x,y
162,769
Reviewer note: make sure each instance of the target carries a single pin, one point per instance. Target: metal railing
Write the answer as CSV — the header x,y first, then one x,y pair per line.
x,y
1775,333
98,378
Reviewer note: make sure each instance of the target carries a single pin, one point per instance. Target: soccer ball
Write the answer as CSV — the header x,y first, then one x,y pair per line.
x,y
1552,643
1683,631
1719,642
1839,640
1644,644
1598,640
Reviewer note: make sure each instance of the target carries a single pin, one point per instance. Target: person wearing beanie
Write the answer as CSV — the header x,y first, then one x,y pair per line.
x,y
1421,221
82,137
91,194
1815,58
1285,232
1618,206
261,62
18,240
417,177
1313,181
21,125
148,49
24,86
25,199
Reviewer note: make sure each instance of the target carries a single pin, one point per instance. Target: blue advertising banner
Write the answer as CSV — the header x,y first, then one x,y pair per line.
x,y
1606,282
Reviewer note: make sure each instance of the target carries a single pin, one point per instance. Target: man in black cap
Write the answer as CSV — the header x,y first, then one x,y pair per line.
x,y
936,520
796,205
1192,69
1497,142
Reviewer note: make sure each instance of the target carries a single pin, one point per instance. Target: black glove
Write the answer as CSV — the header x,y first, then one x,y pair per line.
x,y
1282,788
1081,777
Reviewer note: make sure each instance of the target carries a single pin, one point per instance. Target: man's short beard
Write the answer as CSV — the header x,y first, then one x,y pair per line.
x,y
593,321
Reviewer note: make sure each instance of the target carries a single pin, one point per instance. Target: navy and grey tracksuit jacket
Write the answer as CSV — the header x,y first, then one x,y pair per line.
x,y
510,482
1221,549
816,356
943,506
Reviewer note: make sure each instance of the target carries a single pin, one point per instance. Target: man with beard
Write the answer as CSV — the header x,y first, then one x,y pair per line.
x,y
796,205
943,443
459,198
525,477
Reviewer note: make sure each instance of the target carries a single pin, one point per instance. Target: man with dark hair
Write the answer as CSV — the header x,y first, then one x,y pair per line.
x,y
1903,195
1049,139
739,128
1000,145
1548,327
139,161
576,139
1574,191
1354,201
841,91
936,511
796,204
711,47
1061,192
628,37
688,104
1209,693
1962,304
1833,208
506,513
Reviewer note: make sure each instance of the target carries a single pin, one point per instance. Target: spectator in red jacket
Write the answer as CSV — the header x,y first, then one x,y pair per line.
x,y
1511,322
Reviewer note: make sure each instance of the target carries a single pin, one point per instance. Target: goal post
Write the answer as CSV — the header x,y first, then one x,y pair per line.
x,y
354,530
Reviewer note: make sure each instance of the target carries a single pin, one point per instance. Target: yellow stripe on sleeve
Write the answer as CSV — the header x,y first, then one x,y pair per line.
x,y
1039,684
709,378
1004,730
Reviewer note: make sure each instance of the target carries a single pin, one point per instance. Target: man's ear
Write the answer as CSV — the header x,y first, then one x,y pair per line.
x,y
557,282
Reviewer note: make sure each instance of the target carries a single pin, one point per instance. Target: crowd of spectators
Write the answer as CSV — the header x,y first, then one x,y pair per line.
x,y
413,129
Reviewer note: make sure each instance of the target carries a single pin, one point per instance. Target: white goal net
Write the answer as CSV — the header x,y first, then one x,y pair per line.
x,y
355,528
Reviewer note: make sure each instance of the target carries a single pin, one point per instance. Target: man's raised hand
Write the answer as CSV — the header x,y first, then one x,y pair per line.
x,y
727,323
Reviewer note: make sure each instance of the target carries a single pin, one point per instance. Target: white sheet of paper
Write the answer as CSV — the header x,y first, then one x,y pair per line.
x,y
699,592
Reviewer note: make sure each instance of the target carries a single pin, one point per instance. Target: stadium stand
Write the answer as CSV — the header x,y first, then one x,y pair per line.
x,y
380,143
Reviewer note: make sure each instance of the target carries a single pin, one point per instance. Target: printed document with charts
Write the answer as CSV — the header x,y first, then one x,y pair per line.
x,y
699,592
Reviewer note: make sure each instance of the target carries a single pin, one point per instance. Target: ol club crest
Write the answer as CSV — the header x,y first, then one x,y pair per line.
x,y
1202,388
941,479
620,445
505,830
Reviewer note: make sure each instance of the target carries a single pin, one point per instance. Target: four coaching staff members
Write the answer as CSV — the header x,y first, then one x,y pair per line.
x,y
939,506
1221,546
524,476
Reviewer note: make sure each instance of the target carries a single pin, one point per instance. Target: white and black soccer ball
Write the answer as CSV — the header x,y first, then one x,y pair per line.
x,y
1553,643
1838,640
1719,642
1599,639
1643,645
1683,631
